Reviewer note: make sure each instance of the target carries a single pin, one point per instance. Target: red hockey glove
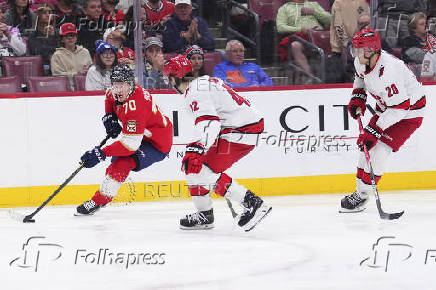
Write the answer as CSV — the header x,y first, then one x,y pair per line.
x,y
357,105
193,160
371,134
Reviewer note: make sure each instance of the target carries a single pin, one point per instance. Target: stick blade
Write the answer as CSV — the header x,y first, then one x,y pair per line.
x,y
20,217
391,216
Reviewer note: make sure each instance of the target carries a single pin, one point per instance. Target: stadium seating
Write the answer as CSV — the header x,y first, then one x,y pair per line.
x,y
22,67
79,82
10,85
210,60
48,84
321,38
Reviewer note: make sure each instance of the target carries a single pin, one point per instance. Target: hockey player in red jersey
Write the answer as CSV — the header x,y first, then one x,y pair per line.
x,y
227,128
400,105
146,136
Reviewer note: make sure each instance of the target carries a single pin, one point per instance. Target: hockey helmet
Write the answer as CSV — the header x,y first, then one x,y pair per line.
x,y
122,74
367,39
178,67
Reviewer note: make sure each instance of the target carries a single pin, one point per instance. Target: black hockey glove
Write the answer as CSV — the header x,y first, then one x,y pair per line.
x,y
110,122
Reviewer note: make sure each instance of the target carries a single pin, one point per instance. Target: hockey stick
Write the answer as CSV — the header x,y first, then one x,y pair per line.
x,y
229,203
29,218
383,215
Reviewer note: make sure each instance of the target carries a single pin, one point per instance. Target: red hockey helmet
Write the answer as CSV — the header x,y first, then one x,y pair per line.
x,y
177,66
367,38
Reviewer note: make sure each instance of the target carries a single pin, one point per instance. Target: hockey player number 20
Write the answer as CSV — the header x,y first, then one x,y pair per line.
x,y
392,90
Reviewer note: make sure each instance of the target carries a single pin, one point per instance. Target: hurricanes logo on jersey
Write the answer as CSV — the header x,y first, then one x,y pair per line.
x,y
131,126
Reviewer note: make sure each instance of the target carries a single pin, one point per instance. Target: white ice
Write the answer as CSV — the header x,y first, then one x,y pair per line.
x,y
303,244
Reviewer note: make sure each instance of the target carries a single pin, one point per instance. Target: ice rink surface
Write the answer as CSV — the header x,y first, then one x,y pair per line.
x,y
303,244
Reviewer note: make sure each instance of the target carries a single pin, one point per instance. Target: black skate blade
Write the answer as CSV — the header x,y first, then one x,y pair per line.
x,y
81,214
252,226
197,228
343,210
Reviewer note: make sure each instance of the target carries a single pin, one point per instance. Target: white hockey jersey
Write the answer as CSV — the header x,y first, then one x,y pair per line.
x,y
219,111
398,93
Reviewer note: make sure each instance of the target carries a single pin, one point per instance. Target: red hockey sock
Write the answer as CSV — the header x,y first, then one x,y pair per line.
x,y
120,168
101,199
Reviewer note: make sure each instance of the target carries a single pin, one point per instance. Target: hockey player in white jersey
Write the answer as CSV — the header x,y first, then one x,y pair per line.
x,y
400,105
227,128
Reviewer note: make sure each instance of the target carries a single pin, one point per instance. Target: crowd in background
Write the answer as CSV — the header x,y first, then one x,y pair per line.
x,y
89,37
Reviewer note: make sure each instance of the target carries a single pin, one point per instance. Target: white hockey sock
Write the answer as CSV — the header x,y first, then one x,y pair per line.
x,y
110,186
202,202
236,192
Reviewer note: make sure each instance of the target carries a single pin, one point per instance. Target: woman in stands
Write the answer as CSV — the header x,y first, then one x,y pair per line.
x,y
98,76
70,59
44,38
20,15
196,55
11,43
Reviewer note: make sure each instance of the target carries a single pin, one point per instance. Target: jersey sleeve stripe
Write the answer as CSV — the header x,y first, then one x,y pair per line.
x,y
206,118
419,104
254,128
402,106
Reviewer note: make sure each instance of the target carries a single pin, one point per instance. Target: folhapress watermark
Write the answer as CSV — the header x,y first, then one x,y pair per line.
x,y
38,253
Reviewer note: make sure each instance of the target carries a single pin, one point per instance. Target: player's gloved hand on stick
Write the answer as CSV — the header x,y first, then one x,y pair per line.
x,y
92,157
357,104
371,134
110,122
193,160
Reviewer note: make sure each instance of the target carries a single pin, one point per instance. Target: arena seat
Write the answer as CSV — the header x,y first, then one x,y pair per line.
x,y
23,67
210,60
48,84
10,85
321,38
79,82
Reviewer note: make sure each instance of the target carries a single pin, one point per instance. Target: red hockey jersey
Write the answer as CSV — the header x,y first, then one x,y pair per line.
x,y
142,122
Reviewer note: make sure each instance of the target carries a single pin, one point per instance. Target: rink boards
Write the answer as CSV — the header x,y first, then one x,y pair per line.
x,y
308,147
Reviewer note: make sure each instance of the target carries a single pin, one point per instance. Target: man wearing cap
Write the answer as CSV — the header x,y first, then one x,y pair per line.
x,y
67,11
70,59
153,65
183,30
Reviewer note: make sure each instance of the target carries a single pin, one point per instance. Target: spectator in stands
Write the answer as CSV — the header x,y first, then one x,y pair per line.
x,y
111,13
43,39
98,76
393,17
11,43
298,17
67,11
183,30
196,56
238,73
91,27
115,36
20,15
158,12
431,16
154,62
131,26
344,25
415,45
35,3
70,59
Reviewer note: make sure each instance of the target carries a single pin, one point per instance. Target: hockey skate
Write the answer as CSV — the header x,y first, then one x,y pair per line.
x,y
202,220
254,211
87,208
354,202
